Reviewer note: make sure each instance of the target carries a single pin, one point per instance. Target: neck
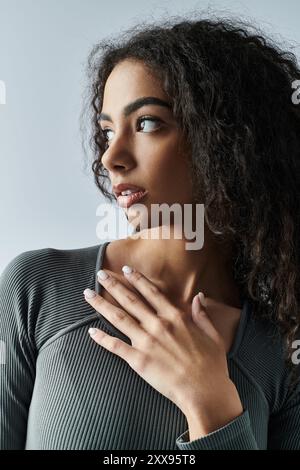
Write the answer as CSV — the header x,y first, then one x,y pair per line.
x,y
181,273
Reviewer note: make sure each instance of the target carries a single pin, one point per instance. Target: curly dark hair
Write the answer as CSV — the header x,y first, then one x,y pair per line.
x,y
231,90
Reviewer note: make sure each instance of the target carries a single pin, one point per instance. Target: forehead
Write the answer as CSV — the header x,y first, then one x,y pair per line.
x,y
128,81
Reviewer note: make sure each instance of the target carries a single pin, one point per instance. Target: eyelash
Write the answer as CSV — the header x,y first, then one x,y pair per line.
x,y
140,119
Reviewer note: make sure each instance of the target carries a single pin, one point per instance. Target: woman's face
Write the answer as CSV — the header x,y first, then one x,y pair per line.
x,y
146,147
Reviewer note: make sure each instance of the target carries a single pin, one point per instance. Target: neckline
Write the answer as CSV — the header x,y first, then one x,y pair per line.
x,y
99,263
245,311
246,308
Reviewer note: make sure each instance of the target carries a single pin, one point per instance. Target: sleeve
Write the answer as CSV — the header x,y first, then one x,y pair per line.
x,y
17,354
284,426
236,435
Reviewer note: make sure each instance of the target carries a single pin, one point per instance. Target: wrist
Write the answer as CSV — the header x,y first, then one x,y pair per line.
x,y
207,415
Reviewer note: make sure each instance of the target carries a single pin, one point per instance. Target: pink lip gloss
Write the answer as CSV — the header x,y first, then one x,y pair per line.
x,y
127,201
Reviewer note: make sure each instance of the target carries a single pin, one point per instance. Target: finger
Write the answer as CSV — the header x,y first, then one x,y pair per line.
x,y
148,289
201,318
115,345
125,297
115,315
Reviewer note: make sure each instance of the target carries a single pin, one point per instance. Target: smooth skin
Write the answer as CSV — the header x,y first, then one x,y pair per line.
x,y
159,299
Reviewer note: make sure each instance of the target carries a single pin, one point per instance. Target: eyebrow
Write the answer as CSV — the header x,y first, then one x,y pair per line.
x,y
131,107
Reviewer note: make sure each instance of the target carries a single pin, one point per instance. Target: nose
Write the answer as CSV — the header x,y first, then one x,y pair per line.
x,y
118,154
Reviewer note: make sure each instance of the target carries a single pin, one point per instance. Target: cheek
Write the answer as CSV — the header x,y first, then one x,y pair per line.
x,y
174,167
165,167
163,157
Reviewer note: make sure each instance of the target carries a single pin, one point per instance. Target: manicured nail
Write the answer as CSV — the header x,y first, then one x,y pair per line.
x,y
127,269
102,275
92,331
89,293
202,299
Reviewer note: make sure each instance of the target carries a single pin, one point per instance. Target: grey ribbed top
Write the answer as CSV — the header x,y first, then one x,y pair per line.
x,y
61,390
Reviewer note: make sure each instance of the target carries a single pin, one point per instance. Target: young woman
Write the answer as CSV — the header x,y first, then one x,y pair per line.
x,y
191,112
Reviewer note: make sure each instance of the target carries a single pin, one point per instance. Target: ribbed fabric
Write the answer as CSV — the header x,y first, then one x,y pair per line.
x,y
61,390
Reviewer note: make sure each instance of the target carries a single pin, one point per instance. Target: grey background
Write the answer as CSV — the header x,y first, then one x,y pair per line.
x,y
47,194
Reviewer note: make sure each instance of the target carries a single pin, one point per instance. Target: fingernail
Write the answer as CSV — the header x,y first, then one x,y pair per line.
x,y
102,275
127,269
92,331
197,304
89,293
202,299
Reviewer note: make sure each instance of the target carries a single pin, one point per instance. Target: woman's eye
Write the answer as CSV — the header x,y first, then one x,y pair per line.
x,y
150,123
105,132
146,124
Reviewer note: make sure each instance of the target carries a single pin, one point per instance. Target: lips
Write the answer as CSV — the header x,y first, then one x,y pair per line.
x,y
127,201
117,189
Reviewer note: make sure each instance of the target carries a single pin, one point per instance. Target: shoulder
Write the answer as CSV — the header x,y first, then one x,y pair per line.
x,y
34,276
42,289
34,265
